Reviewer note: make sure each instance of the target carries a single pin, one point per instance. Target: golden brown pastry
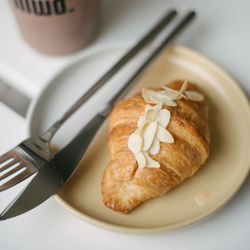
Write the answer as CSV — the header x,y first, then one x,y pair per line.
x,y
124,184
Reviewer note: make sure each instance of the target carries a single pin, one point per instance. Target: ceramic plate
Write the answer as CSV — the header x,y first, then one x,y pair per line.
x,y
207,191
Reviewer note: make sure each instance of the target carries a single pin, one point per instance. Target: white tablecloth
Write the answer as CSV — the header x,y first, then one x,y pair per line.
x,y
220,32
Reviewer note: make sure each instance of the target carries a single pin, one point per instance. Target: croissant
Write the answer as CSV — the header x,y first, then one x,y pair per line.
x,y
124,184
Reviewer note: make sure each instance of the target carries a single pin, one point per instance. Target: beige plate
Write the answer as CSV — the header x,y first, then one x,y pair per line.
x,y
209,189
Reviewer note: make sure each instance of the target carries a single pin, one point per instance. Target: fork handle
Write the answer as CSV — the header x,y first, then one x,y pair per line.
x,y
47,136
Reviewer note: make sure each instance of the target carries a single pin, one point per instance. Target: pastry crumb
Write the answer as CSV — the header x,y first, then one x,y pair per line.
x,y
203,197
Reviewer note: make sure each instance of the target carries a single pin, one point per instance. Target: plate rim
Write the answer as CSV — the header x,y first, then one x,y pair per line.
x,y
195,219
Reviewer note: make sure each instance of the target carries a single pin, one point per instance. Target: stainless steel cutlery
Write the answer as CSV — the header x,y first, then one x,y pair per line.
x,y
34,155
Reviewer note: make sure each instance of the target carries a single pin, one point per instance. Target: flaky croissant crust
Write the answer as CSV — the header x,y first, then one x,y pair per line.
x,y
124,185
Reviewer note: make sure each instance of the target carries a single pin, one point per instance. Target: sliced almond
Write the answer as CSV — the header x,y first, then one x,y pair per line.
x,y
160,97
184,86
139,129
156,107
141,160
170,103
140,121
170,90
173,93
155,147
151,112
170,96
164,135
135,143
152,96
148,107
148,135
163,117
151,115
147,96
146,93
151,101
158,100
150,128
194,96
150,163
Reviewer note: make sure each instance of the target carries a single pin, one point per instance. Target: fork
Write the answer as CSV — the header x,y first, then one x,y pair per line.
x,y
33,153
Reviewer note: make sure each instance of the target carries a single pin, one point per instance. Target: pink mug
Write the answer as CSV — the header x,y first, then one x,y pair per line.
x,y
57,27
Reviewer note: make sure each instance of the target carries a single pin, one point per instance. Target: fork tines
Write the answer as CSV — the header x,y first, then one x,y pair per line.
x,y
13,169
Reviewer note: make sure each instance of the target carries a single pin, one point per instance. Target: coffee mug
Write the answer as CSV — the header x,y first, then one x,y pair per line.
x,y
57,27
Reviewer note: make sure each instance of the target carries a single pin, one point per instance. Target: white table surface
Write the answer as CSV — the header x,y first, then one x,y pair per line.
x,y
220,32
